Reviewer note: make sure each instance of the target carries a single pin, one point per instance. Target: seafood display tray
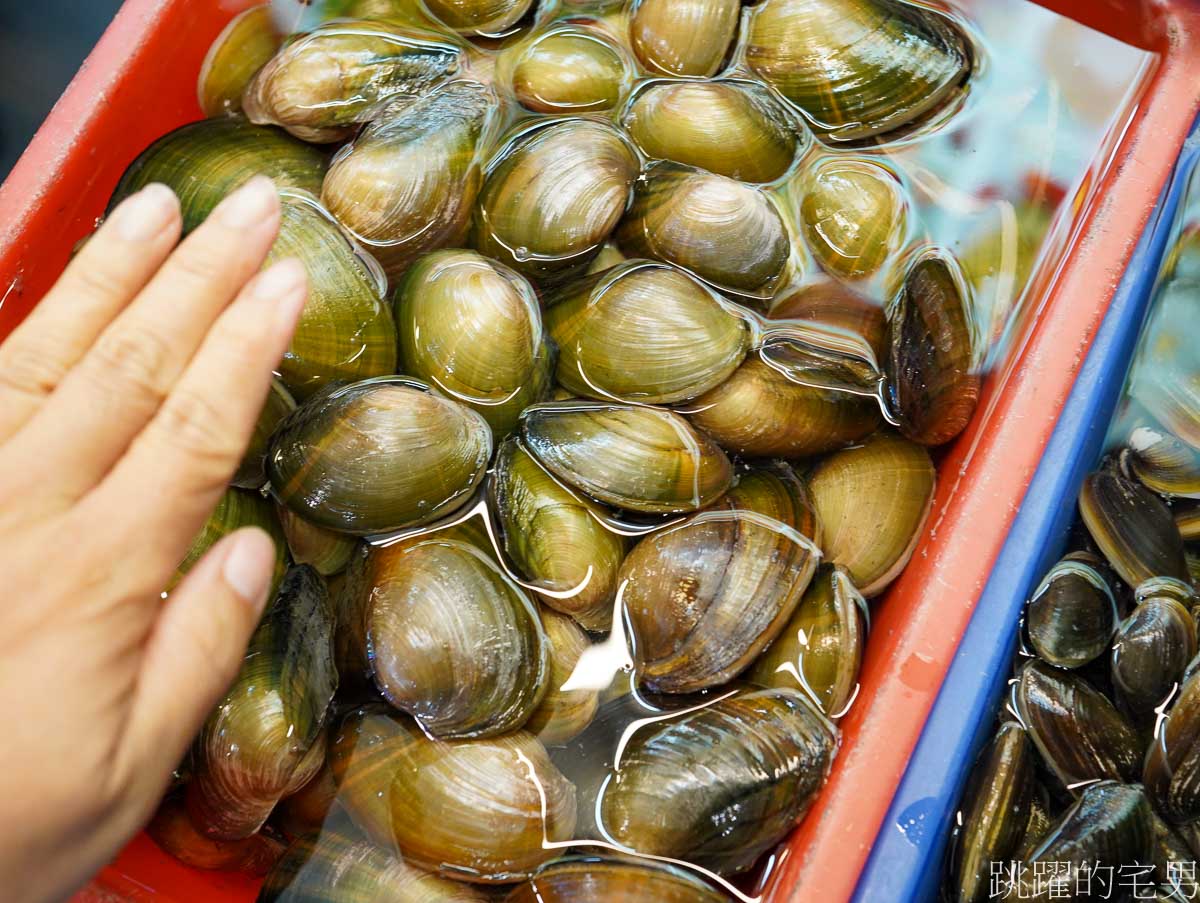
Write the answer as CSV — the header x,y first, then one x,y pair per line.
x,y
139,84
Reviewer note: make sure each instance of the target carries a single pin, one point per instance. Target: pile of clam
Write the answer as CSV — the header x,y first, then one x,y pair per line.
x,y
610,408
1093,776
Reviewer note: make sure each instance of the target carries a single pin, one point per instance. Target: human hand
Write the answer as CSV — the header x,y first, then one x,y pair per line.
x,y
126,401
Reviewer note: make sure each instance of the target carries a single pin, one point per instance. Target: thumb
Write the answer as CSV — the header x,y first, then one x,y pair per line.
x,y
196,648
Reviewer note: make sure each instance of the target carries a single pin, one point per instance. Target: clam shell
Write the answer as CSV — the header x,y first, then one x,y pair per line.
x,y
172,830
251,473
1078,732
1152,648
1072,616
1172,769
553,195
683,37
1162,462
320,86
556,538
630,880
933,386
1132,527
726,232
830,304
408,182
644,332
872,500
448,637
703,598
236,508
629,456
859,70
378,456
473,328
720,785
485,18
572,68
853,214
327,552
820,648
562,714
264,740
482,811
731,127
245,46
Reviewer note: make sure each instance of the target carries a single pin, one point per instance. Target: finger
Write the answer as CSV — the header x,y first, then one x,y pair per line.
x,y
112,394
109,271
196,648
191,448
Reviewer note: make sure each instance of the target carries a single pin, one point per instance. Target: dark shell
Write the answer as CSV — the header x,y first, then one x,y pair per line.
x,y
1172,771
1072,616
1150,652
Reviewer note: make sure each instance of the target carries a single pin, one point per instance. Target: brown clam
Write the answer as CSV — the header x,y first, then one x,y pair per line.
x,y
320,86
553,195
731,127
774,490
473,328
407,184
872,500
629,456
726,232
172,829
933,385
555,538
1172,769
644,331
570,68
483,811
703,598
625,879
1152,648
1162,462
562,714
683,37
1072,616
247,43
833,304
820,648
853,215
1132,527
447,636
326,551
860,70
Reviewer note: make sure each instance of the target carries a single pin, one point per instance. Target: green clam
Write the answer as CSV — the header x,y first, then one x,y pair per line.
x,y
683,37
236,508
378,455
249,40
326,551
570,68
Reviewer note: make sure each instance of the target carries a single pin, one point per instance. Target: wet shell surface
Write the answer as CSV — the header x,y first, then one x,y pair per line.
x,y
683,37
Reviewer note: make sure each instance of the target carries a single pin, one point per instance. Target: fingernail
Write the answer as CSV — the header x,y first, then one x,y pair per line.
x,y
285,287
249,205
146,214
249,565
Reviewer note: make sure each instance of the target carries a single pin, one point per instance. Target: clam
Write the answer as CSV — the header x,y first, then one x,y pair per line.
x,y
247,43
1072,616
482,18
562,714
629,456
307,811
345,332
644,331
447,636
1150,652
327,552
264,740
853,214
407,184
236,508
933,387
1162,462
555,538
1172,767
995,813
483,811
1078,732
627,879
570,68
705,597
759,412
731,127
772,489
473,328
872,500
683,37
251,473
553,195
322,85
610,255
173,831
204,161
340,867
1132,527
833,305
378,455
820,648
726,232
860,70
719,785
1110,825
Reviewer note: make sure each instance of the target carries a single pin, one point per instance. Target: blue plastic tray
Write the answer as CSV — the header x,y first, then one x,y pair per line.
x,y
907,861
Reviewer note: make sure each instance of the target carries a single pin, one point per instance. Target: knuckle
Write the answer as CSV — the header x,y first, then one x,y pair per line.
x,y
194,425
30,370
203,262
134,360
99,279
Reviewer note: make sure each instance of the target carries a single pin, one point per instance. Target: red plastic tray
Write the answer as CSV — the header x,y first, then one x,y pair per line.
x,y
139,83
